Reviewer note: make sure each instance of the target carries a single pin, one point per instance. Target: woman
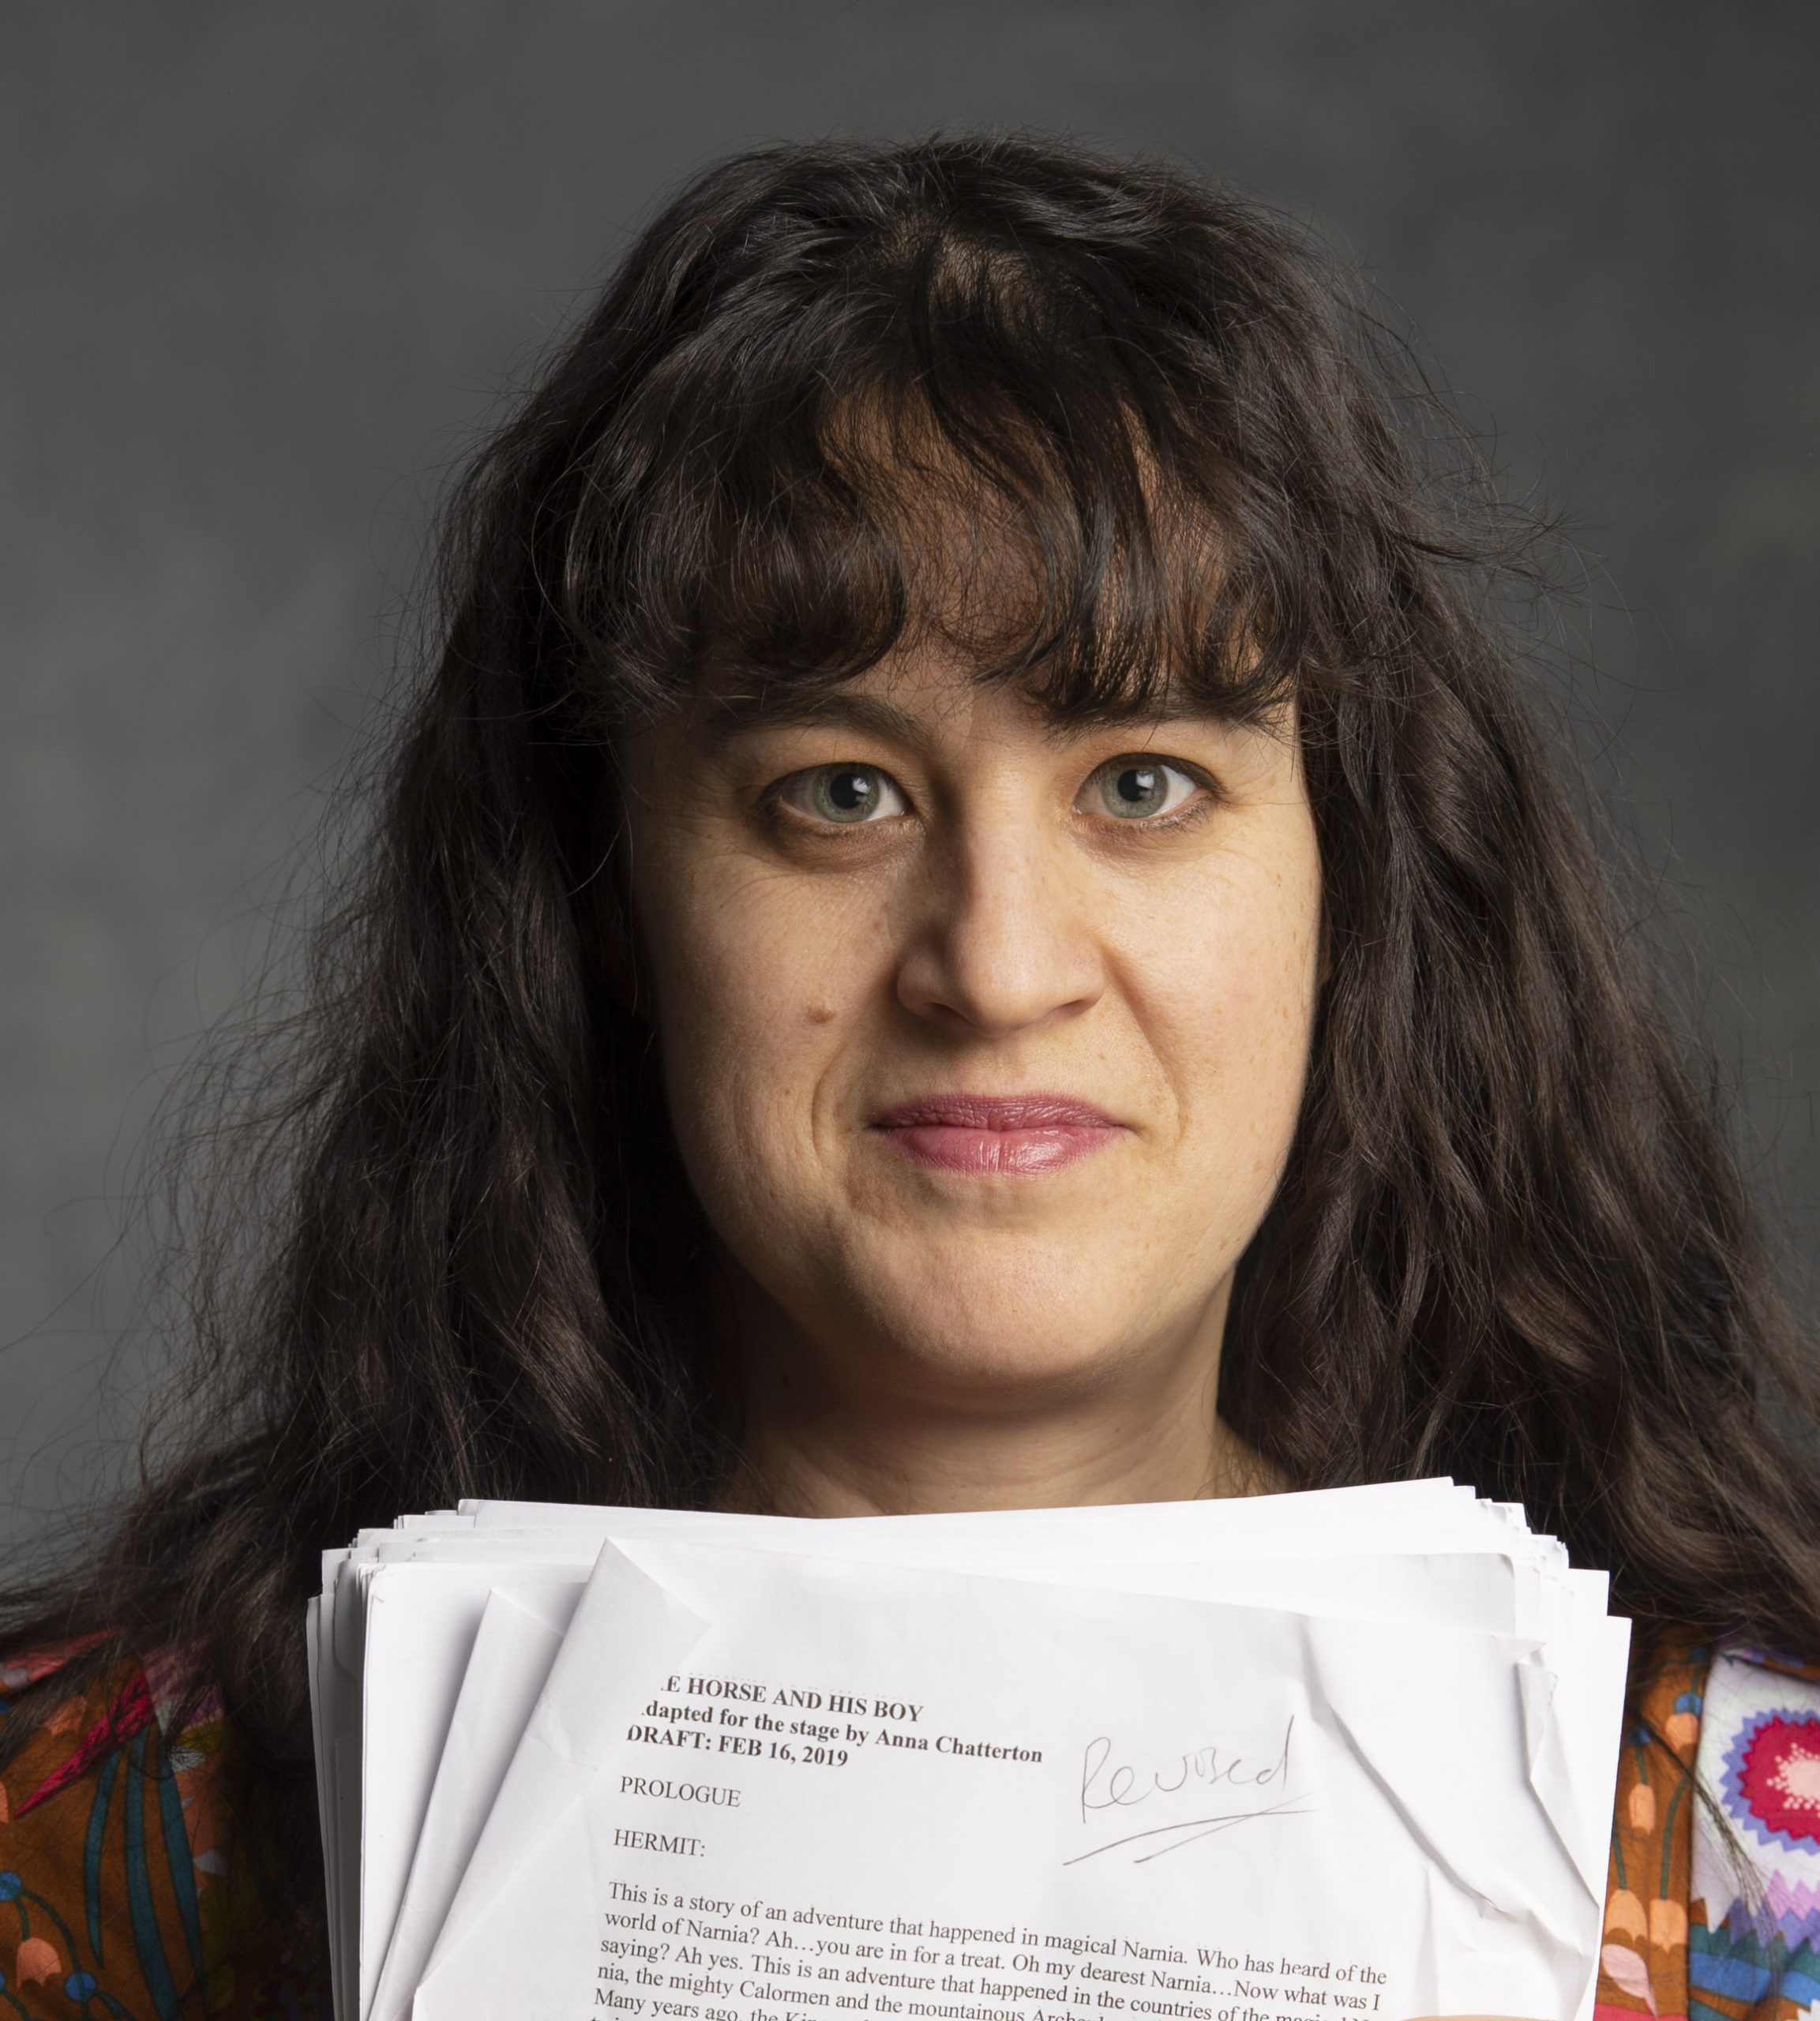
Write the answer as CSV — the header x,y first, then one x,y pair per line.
x,y
968,915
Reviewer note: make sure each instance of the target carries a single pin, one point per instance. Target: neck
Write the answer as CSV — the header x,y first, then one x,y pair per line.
x,y
821,1440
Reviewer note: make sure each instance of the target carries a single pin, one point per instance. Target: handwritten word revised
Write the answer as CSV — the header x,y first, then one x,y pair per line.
x,y
1107,1784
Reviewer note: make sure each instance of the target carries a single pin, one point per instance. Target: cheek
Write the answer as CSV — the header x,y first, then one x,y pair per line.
x,y
1233,1018
757,979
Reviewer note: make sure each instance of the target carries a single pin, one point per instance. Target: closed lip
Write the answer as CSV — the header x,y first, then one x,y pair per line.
x,y
966,1111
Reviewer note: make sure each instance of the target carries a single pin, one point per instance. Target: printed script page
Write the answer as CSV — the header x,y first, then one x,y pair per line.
x,y
758,1787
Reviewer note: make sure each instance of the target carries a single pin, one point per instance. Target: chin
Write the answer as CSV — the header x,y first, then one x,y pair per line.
x,y
1014,1330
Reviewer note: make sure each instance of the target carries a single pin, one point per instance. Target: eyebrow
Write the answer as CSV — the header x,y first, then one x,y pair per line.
x,y
787,705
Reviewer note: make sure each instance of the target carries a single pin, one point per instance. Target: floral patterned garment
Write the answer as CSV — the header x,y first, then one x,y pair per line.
x,y
1713,1904
117,1898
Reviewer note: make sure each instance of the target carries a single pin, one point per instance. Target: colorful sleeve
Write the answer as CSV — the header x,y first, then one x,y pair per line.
x,y
1754,1945
114,1904
1643,1958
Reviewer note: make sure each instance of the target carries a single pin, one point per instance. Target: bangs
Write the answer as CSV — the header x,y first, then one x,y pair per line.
x,y
955,448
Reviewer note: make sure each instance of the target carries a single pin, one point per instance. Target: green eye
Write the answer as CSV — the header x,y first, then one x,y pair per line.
x,y
1137,788
849,794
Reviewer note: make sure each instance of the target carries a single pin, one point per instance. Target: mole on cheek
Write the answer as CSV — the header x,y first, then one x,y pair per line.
x,y
820,1014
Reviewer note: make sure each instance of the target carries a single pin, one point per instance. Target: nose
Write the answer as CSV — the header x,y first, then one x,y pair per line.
x,y
1004,939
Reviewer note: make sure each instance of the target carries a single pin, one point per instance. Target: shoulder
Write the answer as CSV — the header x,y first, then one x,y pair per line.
x,y
1713,1907
1756,1849
115,1846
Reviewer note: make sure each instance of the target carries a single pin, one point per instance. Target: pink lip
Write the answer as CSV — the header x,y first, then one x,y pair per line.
x,y
1005,1134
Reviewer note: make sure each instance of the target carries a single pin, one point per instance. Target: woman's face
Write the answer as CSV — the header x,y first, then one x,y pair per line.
x,y
984,1035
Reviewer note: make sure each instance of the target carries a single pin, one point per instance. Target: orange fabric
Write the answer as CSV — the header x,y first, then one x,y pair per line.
x,y
1643,1963
1713,1901
117,1898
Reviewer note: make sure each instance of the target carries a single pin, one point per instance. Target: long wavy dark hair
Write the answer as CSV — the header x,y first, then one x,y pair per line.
x,y
1511,1243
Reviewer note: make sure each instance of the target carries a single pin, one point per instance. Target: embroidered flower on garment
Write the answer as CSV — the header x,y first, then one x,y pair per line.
x,y
1773,1778
1667,1923
1629,1973
1624,1915
37,1961
1681,1731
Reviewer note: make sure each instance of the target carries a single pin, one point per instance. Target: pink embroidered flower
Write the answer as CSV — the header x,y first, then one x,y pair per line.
x,y
37,1961
1779,1776
1629,1973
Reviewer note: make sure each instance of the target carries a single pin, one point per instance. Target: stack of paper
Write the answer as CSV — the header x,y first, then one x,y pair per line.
x,y
1295,1758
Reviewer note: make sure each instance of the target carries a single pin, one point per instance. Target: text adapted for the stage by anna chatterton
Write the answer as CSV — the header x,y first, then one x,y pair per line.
x,y
742,1720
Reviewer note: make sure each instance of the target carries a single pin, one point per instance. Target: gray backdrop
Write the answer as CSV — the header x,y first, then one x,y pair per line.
x,y
267,267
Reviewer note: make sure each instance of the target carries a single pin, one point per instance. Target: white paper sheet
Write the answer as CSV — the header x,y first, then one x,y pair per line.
x,y
393,1740
468,1734
1181,1783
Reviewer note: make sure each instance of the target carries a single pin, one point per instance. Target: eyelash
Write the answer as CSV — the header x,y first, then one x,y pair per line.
x,y
1191,811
